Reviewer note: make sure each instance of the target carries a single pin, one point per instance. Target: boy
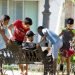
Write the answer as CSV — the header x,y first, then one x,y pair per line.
x,y
20,29
67,36
55,41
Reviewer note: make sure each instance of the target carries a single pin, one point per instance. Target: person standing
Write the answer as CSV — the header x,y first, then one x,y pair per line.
x,y
4,30
67,36
55,41
4,21
18,35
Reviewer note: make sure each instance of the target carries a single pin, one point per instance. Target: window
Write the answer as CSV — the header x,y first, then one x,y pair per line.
x,y
19,9
4,6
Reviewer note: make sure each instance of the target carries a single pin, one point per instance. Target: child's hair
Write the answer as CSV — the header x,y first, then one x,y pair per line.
x,y
40,27
46,44
30,33
70,21
28,20
5,17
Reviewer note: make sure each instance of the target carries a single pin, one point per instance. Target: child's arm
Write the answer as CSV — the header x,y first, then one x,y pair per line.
x,y
43,38
48,49
10,29
60,33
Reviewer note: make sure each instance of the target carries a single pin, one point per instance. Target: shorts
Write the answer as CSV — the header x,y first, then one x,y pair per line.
x,y
67,53
18,42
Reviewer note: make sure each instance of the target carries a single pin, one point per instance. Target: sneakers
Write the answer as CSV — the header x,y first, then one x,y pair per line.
x,y
61,67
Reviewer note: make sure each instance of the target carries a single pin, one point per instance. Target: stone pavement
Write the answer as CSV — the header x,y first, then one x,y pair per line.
x,y
18,73
29,73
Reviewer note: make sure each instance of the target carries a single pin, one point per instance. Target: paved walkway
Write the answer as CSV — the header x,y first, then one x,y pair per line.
x,y
33,71
18,73
29,73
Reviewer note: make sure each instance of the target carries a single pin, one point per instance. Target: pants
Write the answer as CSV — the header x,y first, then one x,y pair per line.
x,y
55,48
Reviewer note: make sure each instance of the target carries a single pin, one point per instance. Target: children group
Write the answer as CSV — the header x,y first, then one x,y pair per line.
x,y
19,31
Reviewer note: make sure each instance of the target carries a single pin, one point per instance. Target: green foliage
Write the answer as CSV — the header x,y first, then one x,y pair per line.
x,y
9,67
73,1
73,59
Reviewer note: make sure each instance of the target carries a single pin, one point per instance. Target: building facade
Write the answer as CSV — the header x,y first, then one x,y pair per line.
x,y
19,9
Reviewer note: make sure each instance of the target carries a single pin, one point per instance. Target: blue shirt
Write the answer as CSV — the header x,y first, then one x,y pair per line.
x,y
50,35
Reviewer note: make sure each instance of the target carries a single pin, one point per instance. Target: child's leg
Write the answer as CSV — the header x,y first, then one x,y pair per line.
x,y
61,63
68,65
26,69
21,68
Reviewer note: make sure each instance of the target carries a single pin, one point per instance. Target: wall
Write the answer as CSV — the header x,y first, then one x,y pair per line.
x,y
56,7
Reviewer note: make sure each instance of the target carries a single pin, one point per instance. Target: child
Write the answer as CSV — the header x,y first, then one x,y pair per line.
x,y
20,29
28,44
4,31
67,36
55,41
31,46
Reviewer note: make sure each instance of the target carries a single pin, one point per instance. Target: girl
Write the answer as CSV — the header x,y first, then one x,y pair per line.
x,y
18,36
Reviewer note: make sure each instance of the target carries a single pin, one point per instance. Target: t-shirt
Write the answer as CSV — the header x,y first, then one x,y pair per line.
x,y
19,31
67,36
28,45
50,35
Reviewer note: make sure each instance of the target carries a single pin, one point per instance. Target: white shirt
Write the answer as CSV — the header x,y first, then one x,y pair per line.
x,y
2,42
